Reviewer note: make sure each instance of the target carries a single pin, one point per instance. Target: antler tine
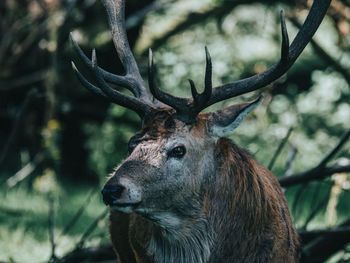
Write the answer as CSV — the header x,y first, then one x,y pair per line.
x,y
186,109
285,38
117,97
288,57
86,83
172,101
193,91
151,73
141,103
200,100
105,91
109,77
208,74
115,11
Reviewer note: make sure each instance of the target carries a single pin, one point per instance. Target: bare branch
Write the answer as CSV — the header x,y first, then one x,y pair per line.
x,y
316,208
78,214
336,149
195,18
333,232
91,228
90,254
137,17
292,153
329,59
25,171
305,34
320,171
17,124
280,148
318,247
21,81
313,174
51,225
187,108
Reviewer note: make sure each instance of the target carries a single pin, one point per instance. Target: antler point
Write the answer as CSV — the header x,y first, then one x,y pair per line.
x,y
94,58
73,66
285,38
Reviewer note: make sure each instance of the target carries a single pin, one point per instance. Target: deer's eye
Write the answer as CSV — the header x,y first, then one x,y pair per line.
x,y
177,152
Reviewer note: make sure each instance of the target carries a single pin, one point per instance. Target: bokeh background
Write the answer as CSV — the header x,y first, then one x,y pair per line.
x,y
58,142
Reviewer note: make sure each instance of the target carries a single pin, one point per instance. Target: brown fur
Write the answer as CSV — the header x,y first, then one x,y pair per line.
x,y
257,212
244,209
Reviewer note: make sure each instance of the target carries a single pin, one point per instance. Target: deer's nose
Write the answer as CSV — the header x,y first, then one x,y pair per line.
x,y
111,193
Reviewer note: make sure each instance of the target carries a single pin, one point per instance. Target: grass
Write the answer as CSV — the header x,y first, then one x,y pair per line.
x,y
24,217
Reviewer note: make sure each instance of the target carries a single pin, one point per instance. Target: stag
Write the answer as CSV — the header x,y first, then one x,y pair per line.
x,y
185,193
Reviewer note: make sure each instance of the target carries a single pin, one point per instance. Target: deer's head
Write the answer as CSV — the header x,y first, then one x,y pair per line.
x,y
172,157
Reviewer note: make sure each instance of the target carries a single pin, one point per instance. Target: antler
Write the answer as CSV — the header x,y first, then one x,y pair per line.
x,y
132,80
187,109
289,55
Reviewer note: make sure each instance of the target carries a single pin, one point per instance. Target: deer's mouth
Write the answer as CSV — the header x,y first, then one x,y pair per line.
x,y
125,207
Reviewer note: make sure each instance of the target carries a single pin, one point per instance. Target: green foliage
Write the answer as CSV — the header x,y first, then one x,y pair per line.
x,y
24,217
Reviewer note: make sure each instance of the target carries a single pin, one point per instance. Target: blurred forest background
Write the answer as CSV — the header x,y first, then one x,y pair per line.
x,y
58,142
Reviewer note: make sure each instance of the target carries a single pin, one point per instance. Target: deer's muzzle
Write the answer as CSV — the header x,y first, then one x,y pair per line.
x,y
124,194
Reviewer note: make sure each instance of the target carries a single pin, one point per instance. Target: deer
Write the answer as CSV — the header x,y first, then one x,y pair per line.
x,y
186,193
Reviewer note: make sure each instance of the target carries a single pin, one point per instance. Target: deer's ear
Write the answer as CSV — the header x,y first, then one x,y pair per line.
x,y
221,123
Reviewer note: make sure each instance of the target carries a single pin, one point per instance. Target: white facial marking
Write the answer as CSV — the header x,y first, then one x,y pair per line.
x,y
167,219
123,209
133,191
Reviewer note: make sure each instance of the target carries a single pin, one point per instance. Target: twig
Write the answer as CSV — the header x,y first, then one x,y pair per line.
x,y
335,150
90,254
316,208
311,234
91,228
23,81
51,225
320,171
279,148
136,18
313,174
297,197
10,211
292,153
194,18
33,34
25,171
318,247
17,124
324,54
78,214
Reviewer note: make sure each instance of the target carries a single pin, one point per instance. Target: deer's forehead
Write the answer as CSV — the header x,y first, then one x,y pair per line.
x,y
171,127
180,133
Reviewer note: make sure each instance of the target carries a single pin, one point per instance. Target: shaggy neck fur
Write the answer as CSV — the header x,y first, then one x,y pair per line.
x,y
243,217
190,243
248,211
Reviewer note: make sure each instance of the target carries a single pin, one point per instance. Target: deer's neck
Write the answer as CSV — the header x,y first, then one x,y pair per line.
x,y
247,211
189,243
241,216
